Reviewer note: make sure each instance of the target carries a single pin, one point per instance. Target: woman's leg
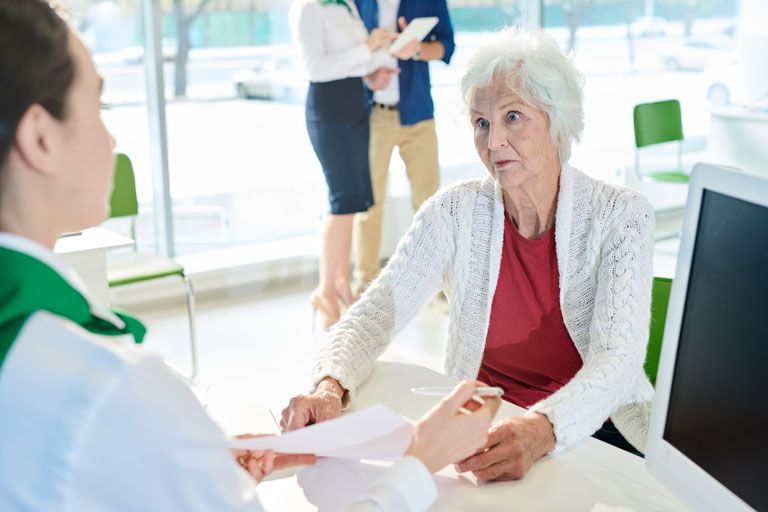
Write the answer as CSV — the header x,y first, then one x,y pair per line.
x,y
338,240
334,263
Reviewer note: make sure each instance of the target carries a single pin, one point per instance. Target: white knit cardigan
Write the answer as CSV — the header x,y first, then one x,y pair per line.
x,y
604,244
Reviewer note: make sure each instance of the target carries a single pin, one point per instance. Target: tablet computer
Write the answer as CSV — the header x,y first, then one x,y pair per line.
x,y
417,30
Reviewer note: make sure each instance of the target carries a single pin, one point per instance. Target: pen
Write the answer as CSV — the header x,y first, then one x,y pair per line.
x,y
444,390
274,419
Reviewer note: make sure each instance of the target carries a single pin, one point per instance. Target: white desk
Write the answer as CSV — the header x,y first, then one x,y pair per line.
x,y
737,138
593,473
86,252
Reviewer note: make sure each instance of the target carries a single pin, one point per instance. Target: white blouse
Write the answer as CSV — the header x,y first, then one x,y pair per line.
x,y
92,423
331,40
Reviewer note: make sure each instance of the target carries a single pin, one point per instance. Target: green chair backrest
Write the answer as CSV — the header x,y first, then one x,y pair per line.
x,y
659,303
123,201
658,122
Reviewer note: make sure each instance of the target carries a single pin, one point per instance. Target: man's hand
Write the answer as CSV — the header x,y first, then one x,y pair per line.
x,y
410,49
324,404
514,444
380,78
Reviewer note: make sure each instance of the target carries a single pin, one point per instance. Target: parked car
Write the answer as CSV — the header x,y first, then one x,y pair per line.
x,y
135,54
722,80
694,53
649,26
274,77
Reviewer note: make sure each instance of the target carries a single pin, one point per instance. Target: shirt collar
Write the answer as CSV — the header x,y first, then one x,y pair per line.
x,y
57,263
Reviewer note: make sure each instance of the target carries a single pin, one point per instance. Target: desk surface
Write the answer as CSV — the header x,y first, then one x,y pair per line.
x,y
588,476
92,239
739,112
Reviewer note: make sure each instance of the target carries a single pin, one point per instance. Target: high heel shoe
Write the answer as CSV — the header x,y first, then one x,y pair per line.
x,y
319,305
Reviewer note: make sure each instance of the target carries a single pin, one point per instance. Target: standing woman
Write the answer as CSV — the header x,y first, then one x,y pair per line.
x,y
337,52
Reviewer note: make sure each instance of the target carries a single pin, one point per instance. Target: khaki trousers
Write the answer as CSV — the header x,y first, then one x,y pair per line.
x,y
418,149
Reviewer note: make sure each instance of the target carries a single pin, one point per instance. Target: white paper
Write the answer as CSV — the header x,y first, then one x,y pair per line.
x,y
417,30
243,418
375,433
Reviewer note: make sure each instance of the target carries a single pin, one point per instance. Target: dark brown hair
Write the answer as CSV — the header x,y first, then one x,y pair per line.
x,y
35,64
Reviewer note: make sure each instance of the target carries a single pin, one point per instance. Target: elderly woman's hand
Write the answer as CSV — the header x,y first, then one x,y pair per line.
x,y
324,404
514,444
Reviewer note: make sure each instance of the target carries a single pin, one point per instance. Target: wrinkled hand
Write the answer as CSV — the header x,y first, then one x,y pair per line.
x,y
410,49
378,38
380,78
322,405
514,444
260,463
445,434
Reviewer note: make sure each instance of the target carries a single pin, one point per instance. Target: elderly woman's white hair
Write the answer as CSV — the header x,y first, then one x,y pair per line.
x,y
539,73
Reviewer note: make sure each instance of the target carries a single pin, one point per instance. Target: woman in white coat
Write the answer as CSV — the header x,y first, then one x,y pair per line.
x,y
547,271
337,52
88,424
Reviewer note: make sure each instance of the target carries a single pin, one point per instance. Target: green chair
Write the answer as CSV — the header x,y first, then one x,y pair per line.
x,y
658,123
659,302
136,267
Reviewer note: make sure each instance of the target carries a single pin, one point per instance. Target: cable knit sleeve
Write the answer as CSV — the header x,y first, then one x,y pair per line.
x,y
621,242
411,278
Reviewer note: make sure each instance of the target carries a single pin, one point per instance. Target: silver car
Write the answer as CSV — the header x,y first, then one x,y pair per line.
x,y
274,77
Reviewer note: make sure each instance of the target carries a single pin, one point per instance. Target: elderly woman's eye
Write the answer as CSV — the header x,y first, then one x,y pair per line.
x,y
513,116
481,123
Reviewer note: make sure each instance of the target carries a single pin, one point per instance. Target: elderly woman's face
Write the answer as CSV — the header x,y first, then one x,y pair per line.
x,y
511,137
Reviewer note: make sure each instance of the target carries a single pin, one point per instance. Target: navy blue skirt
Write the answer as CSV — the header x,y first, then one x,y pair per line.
x,y
337,123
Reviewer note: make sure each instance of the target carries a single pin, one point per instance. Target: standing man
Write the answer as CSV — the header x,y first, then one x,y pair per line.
x,y
402,114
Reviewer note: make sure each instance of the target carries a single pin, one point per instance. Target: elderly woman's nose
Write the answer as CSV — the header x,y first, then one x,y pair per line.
x,y
497,137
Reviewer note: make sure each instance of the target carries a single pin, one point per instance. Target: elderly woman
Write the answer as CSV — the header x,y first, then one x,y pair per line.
x,y
88,423
547,271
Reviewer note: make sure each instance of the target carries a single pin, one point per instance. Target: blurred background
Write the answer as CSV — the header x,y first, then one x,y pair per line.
x,y
243,179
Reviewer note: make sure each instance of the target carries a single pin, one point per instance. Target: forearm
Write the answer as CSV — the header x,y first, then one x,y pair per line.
x,y
432,50
354,61
405,487
543,439
410,279
329,385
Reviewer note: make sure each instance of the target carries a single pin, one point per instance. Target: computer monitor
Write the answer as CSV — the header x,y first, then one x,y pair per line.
x,y
708,441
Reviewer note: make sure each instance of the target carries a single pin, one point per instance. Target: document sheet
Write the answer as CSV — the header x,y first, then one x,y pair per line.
x,y
375,433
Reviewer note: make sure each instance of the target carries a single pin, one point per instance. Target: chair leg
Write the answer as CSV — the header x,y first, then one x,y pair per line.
x,y
192,330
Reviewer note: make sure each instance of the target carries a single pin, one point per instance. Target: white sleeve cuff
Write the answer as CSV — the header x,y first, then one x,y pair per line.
x,y
407,486
380,58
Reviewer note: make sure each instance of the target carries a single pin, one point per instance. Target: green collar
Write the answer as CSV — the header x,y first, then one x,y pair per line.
x,y
340,2
28,285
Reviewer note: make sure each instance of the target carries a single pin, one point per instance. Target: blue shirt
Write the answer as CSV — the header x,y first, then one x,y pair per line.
x,y
415,89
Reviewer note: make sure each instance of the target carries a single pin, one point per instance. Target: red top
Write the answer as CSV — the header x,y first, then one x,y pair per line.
x,y
528,351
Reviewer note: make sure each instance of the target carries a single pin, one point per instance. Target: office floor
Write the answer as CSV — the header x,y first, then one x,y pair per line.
x,y
248,341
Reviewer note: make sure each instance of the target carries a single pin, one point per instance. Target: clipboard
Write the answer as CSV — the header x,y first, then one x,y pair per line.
x,y
417,30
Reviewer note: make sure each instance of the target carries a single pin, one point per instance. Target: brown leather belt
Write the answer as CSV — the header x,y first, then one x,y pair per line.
x,y
386,107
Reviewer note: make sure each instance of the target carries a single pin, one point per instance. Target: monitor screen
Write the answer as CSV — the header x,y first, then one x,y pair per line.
x,y
718,402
